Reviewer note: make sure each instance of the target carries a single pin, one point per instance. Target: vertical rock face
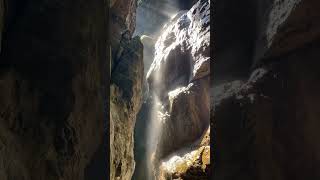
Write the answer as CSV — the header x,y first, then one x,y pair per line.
x,y
182,51
51,88
179,77
125,102
267,125
151,16
289,25
126,87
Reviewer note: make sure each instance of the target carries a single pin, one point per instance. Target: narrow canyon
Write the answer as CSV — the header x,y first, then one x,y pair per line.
x,y
160,101
252,92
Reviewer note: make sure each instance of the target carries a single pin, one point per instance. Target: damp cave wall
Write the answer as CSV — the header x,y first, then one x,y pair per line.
x,y
266,127
53,89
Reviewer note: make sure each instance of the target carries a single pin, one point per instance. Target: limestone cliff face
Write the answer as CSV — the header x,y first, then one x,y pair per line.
x,y
266,123
125,102
179,77
126,88
52,88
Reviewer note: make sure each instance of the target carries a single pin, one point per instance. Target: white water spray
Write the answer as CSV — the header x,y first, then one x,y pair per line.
x,y
147,15
154,131
157,116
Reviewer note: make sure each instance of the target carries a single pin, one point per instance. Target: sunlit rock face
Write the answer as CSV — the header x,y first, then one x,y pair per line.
x,y
188,108
182,51
267,125
151,16
179,77
191,163
127,74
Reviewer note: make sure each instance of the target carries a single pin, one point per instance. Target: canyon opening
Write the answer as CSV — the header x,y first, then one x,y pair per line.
x,y
171,136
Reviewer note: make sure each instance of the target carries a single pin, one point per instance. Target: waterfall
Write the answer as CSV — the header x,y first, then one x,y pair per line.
x,y
154,130
153,19
159,94
157,116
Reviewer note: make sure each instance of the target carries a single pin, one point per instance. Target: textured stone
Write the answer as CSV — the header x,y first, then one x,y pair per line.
x,y
126,87
122,25
285,26
52,88
125,102
179,76
277,123
194,164
182,51
266,123
189,117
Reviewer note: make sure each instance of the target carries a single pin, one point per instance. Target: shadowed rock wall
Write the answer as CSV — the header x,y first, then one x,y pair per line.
x,y
52,84
266,125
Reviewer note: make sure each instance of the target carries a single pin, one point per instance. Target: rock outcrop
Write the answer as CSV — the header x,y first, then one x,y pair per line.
x,y
52,88
126,88
125,102
267,124
193,163
287,26
179,77
183,50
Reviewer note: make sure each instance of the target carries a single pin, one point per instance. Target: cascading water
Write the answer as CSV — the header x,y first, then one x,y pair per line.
x,y
154,130
159,113
152,123
156,114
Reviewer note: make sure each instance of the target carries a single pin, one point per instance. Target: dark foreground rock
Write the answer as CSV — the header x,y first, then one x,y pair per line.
x,y
267,125
52,88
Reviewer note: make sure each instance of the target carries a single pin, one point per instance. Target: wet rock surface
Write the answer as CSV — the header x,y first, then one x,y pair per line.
x,y
193,163
179,76
183,52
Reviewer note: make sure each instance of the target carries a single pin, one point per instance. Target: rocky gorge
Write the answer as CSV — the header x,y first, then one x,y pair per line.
x,y
176,111
252,93
55,113
264,93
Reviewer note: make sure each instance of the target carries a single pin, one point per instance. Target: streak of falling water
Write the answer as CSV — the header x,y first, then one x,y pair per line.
x,y
151,17
154,130
158,113
157,116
